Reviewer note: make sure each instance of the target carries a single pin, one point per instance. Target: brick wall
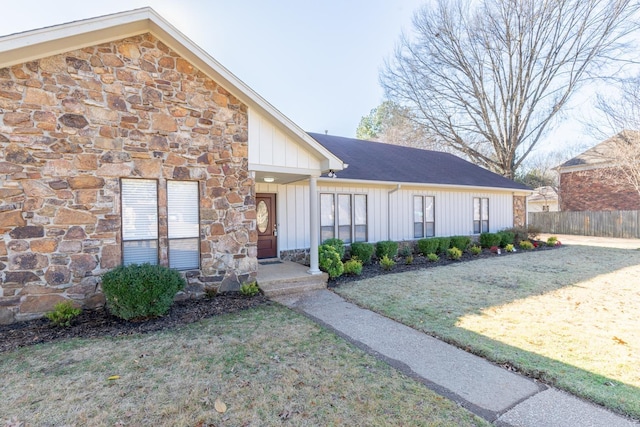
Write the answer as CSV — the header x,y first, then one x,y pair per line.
x,y
593,191
71,125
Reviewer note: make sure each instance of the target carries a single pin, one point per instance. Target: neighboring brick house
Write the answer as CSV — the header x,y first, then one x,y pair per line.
x,y
592,181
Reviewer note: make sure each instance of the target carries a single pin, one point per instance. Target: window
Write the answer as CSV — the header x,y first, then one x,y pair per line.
x,y
346,220
480,215
545,208
184,224
423,216
139,221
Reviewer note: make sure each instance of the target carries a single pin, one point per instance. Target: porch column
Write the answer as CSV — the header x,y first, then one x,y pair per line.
x,y
313,213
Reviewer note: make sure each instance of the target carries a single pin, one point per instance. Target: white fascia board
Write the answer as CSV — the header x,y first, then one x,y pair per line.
x,y
404,185
31,45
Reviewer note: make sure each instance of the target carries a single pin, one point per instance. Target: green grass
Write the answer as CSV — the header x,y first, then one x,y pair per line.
x,y
269,365
567,316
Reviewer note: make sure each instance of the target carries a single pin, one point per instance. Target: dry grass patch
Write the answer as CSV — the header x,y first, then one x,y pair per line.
x,y
267,365
567,316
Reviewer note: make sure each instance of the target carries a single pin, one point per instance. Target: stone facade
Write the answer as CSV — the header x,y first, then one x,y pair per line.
x,y
593,190
519,211
72,125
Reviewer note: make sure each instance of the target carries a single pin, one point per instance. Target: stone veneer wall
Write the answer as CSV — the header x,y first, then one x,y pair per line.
x,y
593,191
519,211
71,125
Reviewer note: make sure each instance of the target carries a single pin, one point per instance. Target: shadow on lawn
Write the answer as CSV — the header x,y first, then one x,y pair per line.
x,y
435,300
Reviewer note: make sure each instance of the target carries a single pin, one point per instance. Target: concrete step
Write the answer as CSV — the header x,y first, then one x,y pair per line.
x,y
283,278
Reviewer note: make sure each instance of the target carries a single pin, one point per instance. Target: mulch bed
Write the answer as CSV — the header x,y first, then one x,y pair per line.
x,y
99,323
420,263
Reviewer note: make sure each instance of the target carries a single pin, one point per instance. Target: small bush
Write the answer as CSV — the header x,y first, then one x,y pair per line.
x,y
387,263
140,290
460,242
63,313
330,262
408,260
454,253
433,257
353,266
509,248
506,238
488,240
338,244
524,233
405,251
526,245
445,244
552,241
428,246
475,250
387,248
249,289
362,251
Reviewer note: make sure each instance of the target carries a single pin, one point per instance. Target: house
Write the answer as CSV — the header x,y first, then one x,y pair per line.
x,y
122,141
594,180
543,199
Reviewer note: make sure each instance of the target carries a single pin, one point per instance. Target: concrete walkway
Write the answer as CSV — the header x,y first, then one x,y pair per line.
x,y
496,394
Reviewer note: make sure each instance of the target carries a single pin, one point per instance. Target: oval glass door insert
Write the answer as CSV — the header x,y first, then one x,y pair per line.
x,y
263,216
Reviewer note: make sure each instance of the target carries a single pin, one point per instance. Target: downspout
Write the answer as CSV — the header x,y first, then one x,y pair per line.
x,y
389,210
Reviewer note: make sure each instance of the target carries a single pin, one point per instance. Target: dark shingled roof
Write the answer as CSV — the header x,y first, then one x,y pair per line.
x,y
375,161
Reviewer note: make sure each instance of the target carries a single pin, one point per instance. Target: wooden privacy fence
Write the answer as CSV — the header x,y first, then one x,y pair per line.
x,y
624,224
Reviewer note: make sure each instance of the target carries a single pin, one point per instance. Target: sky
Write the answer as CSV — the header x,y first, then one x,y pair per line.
x,y
316,61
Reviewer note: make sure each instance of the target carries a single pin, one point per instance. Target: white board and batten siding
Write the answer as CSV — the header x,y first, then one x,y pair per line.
x,y
386,211
271,147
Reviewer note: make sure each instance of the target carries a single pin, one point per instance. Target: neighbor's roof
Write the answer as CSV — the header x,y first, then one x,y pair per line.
x,y
601,154
375,161
36,44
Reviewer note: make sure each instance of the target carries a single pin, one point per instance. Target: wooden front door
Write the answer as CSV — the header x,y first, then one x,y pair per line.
x,y
267,225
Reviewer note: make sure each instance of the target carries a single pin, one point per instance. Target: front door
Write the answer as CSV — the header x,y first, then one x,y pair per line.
x,y
267,233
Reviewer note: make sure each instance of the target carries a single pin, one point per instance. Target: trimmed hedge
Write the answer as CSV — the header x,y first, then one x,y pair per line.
x,y
388,248
330,261
445,244
362,251
140,290
428,246
338,244
506,238
460,242
488,240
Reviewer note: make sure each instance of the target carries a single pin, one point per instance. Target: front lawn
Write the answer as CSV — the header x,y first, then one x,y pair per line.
x,y
261,366
568,317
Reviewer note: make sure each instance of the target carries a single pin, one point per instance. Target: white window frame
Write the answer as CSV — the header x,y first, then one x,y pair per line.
x,y
426,220
481,207
334,216
183,224
139,212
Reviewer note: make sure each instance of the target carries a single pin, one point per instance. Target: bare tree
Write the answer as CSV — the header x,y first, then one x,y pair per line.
x,y
489,77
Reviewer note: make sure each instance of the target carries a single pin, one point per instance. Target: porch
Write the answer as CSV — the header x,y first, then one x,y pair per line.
x,y
277,278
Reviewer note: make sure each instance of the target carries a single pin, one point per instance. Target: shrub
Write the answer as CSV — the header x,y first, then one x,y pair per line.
x,y
428,246
509,248
475,250
526,245
433,257
63,313
140,290
460,242
405,251
524,233
338,244
552,241
362,251
454,253
488,240
330,262
353,266
249,289
506,238
408,260
387,263
387,248
495,249
445,244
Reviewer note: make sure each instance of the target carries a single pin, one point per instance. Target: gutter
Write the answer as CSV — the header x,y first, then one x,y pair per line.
x,y
398,186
